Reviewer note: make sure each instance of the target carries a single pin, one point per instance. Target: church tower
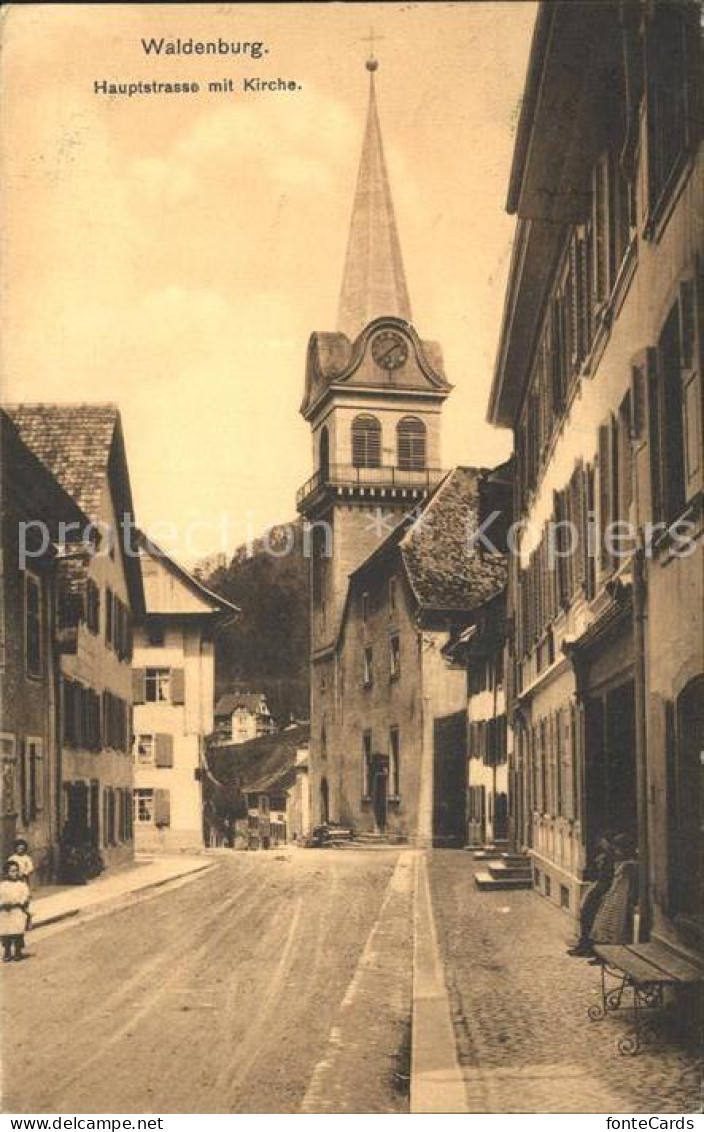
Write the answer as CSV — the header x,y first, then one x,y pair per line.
x,y
374,393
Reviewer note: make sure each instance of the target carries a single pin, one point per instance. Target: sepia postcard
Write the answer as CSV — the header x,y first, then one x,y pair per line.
x,y
351,585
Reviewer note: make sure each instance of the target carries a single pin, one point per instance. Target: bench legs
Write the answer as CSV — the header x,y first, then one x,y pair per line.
x,y
646,996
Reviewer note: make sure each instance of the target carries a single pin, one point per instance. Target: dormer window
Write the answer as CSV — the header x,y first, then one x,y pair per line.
x,y
366,441
410,435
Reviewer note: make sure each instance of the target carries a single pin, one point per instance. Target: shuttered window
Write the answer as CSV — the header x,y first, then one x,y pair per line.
x,y
162,807
672,52
138,685
109,615
605,496
33,625
690,325
366,442
670,418
163,750
394,763
410,437
178,686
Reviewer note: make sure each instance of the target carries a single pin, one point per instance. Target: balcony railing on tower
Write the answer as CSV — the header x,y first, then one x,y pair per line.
x,y
354,478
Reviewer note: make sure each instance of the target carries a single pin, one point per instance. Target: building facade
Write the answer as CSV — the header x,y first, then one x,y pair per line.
x,y
172,683
599,376
479,649
392,736
33,506
241,716
98,597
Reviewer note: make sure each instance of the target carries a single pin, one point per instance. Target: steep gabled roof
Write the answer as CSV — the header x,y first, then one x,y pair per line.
x,y
217,603
74,441
433,544
228,703
41,493
82,446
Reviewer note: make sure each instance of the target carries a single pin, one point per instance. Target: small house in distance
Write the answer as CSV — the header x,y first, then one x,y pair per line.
x,y
242,715
256,793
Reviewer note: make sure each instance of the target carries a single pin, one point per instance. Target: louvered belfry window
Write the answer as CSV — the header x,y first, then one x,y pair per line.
x,y
411,444
366,442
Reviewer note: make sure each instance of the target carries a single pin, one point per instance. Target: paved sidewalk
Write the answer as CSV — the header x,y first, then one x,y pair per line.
x,y
519,1005
437,1084
53,903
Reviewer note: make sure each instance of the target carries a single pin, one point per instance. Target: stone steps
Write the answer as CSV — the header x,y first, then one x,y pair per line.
x,y
510,859
505,870
488,883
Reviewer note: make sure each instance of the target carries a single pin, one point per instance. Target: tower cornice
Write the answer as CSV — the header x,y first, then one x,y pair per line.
x,y
333,362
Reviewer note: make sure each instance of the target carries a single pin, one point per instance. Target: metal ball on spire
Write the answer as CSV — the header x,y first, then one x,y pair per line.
x,y
372,63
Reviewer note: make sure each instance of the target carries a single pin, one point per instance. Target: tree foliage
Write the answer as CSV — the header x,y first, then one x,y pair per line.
x,y
267,648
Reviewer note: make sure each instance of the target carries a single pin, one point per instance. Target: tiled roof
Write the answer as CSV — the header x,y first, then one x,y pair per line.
x,y
73,441
81,445
260,766
233,700
443,571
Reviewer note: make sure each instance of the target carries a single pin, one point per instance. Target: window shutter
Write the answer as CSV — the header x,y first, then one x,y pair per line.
x,y
567,768
162,807
177,686
604,494
643,368
600,280
366,442
164,750
553,807
410,433
590,551
579,518
138,685
575,312
690,308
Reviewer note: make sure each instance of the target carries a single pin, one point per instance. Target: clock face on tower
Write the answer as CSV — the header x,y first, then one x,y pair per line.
x,y
389,349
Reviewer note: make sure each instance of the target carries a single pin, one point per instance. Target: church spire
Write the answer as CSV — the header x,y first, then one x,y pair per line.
x,y
373,282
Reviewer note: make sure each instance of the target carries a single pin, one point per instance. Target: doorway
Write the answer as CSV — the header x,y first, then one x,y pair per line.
x,y
450,780
324,802
610,766
500,817
686,803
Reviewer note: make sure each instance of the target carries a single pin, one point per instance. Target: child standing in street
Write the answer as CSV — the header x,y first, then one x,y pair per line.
x,y
20,855
14,912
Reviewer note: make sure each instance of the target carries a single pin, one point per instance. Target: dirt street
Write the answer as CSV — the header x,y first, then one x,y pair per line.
x,y
273,983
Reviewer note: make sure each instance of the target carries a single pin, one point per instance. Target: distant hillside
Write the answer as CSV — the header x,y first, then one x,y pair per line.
x,y
268,647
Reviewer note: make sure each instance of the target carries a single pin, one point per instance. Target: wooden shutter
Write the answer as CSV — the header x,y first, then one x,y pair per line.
x,y
177,686
552,780
138,685
162,807
600,219
410,434
567,762
604,495
690,318
164,750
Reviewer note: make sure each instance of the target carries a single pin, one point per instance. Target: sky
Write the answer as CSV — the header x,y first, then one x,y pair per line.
x,y
173,253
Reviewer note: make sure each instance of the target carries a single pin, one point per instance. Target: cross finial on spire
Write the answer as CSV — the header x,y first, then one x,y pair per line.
x,y
372,62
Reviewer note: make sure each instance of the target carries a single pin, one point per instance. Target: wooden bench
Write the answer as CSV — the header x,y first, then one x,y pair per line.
x,y
645,969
